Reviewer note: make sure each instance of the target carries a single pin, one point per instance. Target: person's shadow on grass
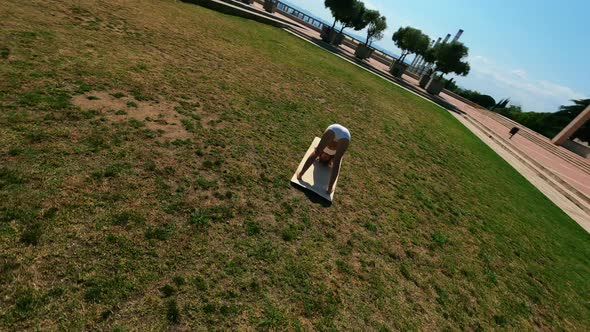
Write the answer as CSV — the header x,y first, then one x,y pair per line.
x,y
318,177
312,196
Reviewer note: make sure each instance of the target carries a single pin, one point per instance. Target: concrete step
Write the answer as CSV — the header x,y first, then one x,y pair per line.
x,y
538,138
533,161
543,142
579,199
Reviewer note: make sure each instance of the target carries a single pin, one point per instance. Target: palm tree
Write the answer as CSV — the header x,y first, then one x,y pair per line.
x,y
571,112
575,109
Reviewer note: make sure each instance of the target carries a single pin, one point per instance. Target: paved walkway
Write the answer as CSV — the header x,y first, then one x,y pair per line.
x,y
559,174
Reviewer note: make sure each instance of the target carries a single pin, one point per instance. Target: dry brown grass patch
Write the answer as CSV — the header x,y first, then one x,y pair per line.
x,y
158,116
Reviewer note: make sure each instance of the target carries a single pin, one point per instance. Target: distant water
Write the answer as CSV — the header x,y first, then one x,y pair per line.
x,y
347,31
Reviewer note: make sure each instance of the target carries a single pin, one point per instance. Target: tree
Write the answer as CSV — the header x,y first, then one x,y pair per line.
x,y
477,97
348,12
575,109
355,17
486,101
429,55
449,58
376,25
410,41
501,104
341,9
451,85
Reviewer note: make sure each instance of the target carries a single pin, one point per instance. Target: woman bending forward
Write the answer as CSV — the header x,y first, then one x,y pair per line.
x,y
334,142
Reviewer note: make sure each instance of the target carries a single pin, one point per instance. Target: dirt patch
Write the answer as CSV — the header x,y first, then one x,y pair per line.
x,y
117,106
212,121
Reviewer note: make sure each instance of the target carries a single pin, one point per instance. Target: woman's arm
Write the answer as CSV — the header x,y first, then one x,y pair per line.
x,y
327,137
340,149
312,157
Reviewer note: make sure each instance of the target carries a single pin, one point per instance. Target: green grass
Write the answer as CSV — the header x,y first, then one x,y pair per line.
x,y
430,229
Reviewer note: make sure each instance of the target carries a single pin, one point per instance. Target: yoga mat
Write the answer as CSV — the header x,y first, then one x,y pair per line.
x,y
317,176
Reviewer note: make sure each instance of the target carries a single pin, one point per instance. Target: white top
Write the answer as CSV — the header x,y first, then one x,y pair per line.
x,y
330,151
339,131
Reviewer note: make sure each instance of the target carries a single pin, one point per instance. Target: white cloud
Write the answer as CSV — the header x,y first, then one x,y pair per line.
x,y
534,95
521,73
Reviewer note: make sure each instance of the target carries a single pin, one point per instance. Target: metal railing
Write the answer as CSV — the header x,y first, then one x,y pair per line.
x,y
298,14
317,24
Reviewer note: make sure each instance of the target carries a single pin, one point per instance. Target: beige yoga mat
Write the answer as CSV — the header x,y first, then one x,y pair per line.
x,y
317,177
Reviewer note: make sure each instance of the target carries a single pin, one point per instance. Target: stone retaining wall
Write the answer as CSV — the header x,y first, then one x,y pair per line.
x,y
235,10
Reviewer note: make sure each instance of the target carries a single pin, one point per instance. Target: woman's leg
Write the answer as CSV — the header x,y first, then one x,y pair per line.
x,y
340,149
327,137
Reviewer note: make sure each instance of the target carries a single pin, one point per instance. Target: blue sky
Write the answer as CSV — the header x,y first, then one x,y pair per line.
x,y
535,52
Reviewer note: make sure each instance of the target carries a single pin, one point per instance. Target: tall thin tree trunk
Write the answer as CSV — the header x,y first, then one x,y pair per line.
x,y
401,58
333,25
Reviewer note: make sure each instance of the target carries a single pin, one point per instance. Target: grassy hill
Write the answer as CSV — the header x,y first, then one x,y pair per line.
x,y
146,149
